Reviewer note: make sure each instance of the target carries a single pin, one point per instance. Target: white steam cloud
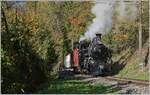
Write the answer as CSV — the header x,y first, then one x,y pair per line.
x,y
103,21
122,9
103,11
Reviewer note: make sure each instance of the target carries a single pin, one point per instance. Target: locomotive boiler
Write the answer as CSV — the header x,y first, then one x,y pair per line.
x,y
94,57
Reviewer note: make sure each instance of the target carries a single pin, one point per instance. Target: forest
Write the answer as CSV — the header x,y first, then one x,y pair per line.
x,y
35,37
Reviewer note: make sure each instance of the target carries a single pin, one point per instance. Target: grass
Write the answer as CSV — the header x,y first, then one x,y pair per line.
x,y
134,74
74,87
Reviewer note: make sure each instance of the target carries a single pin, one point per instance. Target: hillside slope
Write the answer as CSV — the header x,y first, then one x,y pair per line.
x,y
128,64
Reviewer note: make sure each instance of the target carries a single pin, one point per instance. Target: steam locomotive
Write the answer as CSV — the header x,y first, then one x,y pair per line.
x,y
94,59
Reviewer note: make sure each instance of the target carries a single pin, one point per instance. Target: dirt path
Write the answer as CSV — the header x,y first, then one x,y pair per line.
x,y
124,88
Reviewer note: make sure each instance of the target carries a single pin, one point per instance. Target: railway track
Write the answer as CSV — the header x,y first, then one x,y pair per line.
x,y
125,85
128,81
120,80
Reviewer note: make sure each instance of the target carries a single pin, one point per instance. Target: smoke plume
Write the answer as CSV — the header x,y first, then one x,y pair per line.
x,y
122,8
103,10
103,21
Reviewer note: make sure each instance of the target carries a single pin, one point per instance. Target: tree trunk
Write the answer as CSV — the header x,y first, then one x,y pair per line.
x,y
5,20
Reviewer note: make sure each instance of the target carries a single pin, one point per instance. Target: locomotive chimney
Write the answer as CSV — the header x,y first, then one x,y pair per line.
x,y
99,35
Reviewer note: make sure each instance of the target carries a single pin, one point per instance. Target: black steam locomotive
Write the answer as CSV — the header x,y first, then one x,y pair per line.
x,y
94,59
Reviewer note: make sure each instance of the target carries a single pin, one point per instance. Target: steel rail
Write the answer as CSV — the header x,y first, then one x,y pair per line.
x,y
127,80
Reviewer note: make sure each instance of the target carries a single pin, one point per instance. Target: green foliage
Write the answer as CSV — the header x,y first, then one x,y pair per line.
x,y
74,87
25,57
9,69
37,36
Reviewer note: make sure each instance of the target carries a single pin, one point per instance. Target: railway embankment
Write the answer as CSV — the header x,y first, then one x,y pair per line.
x,y
128,65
